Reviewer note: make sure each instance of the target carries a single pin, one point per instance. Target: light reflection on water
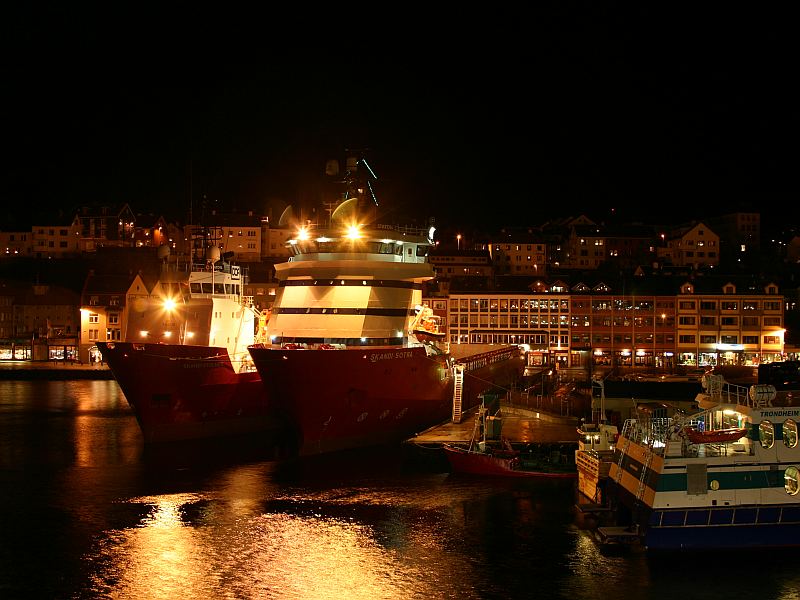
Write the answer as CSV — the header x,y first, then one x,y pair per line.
x,y
249,538
87,511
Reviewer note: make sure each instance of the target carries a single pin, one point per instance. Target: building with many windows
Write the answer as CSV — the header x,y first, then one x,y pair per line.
x,y
518,255
57,239
649,323
16,243
38,322
538,320
106,226
694,245
722,321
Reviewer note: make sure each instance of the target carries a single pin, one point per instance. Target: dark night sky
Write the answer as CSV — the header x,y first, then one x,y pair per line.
x,y
496,119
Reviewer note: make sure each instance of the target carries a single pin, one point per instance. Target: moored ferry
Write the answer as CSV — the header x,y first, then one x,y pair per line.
x,y
725,477
354,358
184,367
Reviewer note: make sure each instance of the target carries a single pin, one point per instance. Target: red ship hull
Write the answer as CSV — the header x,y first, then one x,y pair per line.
x,y
356,397
480,463
180,392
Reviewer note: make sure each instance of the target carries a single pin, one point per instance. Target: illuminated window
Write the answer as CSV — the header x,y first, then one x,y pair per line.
x,y
790,481
790,433
766,434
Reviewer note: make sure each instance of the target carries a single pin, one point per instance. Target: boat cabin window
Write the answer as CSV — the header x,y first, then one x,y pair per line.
x,y
207,288
766,434
790,433
790,481
195,288
422,251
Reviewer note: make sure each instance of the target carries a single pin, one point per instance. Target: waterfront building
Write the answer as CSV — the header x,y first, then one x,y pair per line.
x,y
516,251
105,226
275,240
623,324
739,234
16,243
449,264
537,318
694,245
237,234
37,322
103,311
58,238
655,322
722,321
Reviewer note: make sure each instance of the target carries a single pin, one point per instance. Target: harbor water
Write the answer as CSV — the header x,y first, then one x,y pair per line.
x,y
86,511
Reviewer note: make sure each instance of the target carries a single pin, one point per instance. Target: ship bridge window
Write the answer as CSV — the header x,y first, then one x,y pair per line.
x,y
790,481
422,251
219,288
195,288
790,433
207,288
766,434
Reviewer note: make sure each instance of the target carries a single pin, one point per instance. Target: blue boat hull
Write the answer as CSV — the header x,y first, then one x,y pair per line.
x,y
724,527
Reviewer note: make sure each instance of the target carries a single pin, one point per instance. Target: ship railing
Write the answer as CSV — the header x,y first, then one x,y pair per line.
x,y
658,434
654,432
479,361
410,230
727,393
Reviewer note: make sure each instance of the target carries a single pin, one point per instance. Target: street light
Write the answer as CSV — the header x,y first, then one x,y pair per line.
x,y
458,241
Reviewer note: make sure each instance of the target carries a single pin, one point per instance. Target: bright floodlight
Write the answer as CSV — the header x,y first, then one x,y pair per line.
x,y
353,232
302,234
169,304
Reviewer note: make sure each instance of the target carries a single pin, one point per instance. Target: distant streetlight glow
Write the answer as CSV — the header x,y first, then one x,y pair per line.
x,y
458,241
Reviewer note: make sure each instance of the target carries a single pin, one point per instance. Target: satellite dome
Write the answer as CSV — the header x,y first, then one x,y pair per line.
x,y
212,254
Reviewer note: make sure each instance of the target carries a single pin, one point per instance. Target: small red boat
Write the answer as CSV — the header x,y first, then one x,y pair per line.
x,y
714,436
502,463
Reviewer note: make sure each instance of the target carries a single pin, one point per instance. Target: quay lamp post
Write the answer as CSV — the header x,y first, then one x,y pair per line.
x,y
458,241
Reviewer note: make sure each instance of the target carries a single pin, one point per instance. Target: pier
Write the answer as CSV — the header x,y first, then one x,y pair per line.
x,y
524,419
